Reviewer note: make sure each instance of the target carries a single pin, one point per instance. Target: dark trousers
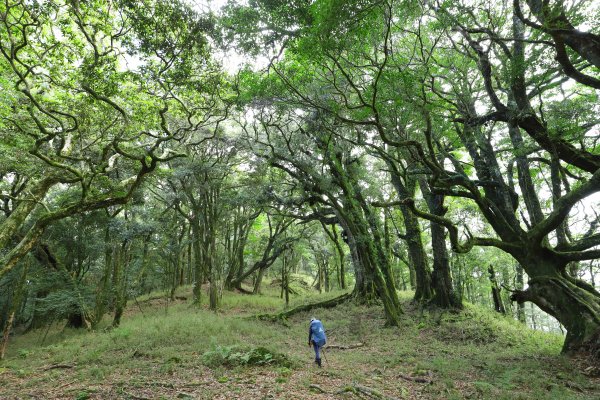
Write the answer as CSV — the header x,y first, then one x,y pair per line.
x,y
317,350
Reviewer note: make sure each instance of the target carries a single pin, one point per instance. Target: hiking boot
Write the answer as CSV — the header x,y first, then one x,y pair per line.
x,y
318,361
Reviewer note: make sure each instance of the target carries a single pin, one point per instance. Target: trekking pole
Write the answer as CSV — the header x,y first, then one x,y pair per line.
x,y
324,356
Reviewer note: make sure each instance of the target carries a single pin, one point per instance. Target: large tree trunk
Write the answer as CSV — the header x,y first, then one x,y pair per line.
x,y
241,228
444,295
364,287
373,278
417,257
365,237
574,303
414,242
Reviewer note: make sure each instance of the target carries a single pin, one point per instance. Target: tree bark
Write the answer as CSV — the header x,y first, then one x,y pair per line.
x,y
496,297
121,261
520,286
444,295
11,225
258,280
197,248
16,302
274,248
334,237
6,334
574,303
416,251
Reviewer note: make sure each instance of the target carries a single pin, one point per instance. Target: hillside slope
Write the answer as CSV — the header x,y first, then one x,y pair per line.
x,y
169,350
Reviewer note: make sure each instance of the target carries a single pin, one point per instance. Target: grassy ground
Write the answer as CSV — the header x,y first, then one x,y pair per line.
x,y
173,351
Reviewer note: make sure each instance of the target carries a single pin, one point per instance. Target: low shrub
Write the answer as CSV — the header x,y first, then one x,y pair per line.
x,y
231,356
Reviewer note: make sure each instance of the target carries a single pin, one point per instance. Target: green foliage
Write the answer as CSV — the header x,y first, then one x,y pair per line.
x,y
83,396
231,356
260,24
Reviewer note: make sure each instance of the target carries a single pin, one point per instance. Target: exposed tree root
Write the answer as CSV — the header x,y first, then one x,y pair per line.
x,y
282,316
592,347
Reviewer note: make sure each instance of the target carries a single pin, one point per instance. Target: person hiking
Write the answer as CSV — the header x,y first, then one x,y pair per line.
x,y
316,337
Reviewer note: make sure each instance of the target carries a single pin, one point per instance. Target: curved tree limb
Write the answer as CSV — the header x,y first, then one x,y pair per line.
x,y
453,232
564,206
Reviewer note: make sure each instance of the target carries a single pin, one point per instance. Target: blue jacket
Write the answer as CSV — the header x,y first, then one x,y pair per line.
x,y
316,333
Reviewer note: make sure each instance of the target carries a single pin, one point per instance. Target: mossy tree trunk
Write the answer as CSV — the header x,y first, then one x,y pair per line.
x,y
365,240
286,265
444,294
406,187
37,190
15,303
574,303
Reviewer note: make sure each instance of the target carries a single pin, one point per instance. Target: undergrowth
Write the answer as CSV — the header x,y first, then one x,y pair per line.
x,y
472,354
232,356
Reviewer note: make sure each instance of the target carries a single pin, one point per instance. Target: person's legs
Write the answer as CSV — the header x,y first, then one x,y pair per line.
x,y
317,353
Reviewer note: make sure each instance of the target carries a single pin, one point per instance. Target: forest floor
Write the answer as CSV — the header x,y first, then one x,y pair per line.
x,y
169,350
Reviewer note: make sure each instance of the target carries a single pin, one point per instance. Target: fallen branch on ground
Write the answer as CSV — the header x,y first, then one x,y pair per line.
x,y
344,347
56,366
243,291
64,385
282,316
317,388
136,397
574,386
366,391
163,384
414,378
